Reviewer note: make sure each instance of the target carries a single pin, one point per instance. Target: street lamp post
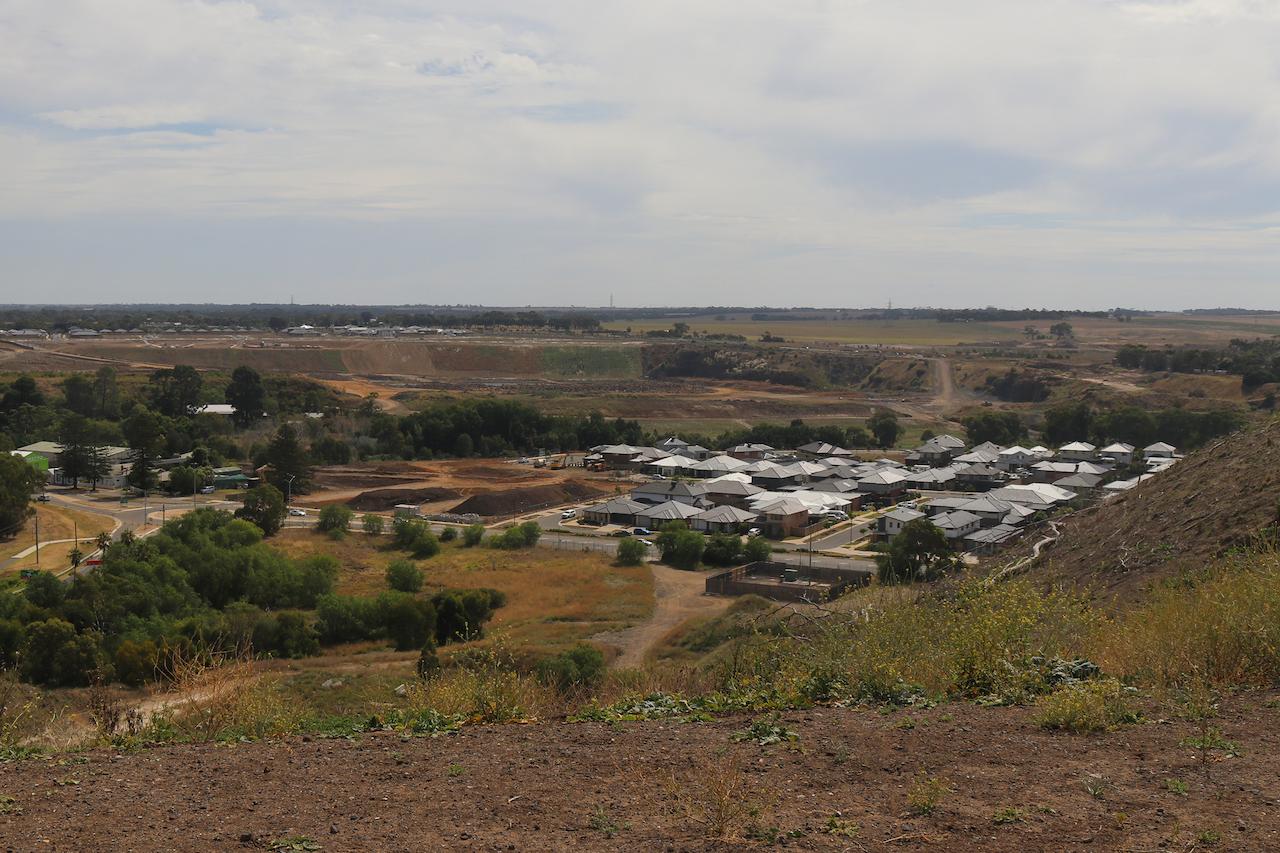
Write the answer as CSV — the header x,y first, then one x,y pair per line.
x,y
288,489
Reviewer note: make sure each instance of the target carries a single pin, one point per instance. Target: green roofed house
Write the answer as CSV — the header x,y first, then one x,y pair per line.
x,y
231,478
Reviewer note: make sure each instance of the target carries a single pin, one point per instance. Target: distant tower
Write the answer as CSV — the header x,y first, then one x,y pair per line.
x,y
610,301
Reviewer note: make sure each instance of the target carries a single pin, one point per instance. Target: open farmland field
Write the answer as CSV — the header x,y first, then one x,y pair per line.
x,y
1156,330
554,598
876,332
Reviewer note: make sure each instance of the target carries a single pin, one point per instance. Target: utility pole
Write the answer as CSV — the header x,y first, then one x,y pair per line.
x,y
288,487
37,537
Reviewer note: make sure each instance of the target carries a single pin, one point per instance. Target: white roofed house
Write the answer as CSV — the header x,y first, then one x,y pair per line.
x,y
722,519
979,456
670,466
1118,454
1159,450
672,445
1012,458
1078,451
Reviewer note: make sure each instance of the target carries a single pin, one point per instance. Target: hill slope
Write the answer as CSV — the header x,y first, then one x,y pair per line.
x,y
1215,499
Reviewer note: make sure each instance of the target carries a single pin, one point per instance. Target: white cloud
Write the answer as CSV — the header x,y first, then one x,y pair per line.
x,y
903,140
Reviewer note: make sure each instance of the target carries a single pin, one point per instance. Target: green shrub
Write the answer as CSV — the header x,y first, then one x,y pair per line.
x,y
524,535
372,524
334,517
757,549
448,534
1091,706
680,546
581,666
472,534
404,576
631,552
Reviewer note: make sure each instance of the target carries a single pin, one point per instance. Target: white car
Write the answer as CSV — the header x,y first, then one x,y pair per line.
x,y
753,532
569,513
646,542
298,512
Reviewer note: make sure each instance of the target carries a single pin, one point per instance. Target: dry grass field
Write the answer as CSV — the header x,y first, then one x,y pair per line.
x,y
554,598
56,523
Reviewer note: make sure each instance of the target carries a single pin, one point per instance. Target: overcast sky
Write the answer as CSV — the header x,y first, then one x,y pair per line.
x,y
1087,153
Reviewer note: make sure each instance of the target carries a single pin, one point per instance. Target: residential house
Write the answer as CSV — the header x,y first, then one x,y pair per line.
x,y
1081,483
956,525
726,492
1159,450
991,539
1012,458
820,449
716,466
891,523
991,511
617,511
1119,454
672,445
935,451
979,456
749,452
722,519
655,516
662,491
1077,451
978,478
932,479
883,485
783,518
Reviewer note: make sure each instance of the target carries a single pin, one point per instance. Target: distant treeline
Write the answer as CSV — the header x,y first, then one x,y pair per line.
x,y
1256,362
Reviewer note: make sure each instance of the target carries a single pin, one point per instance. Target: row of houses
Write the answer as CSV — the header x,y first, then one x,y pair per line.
x,y
982,523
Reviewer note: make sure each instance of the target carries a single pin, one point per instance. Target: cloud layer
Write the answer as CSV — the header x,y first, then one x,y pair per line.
x,y
1023,152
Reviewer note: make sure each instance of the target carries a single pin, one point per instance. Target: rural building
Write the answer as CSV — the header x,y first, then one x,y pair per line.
x,y
1159,450
35,460
722,519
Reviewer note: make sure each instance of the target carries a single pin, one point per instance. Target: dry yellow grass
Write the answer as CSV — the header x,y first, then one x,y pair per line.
x,y
554,598
56,522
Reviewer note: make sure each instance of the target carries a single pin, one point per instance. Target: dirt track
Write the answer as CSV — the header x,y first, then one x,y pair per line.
x,y
1004,786
678,596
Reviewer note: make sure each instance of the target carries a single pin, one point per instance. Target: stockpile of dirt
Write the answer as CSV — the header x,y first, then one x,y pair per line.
x,y
1216,499
381,500
851,781
369,476
526,499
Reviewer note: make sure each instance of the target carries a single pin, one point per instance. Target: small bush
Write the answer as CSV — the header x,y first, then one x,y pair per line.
x,y
404,576
581,666
472,535
524,535
334,517
631,552
372,524
448,534
1091,706
925,794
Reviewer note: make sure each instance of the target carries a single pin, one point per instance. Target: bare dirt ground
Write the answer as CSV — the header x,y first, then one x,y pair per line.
x,y
1002,785
678,597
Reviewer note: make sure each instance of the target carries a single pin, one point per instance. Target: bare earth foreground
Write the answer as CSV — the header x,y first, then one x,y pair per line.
x,y
653,786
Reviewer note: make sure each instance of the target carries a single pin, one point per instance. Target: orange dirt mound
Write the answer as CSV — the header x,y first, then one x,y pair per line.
x,y
381,500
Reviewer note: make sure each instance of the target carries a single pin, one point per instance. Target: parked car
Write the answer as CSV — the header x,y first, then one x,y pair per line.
x,y
569,513
299,512
646,542
659,476
753,532
622,533
642,531
207,490
42,498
